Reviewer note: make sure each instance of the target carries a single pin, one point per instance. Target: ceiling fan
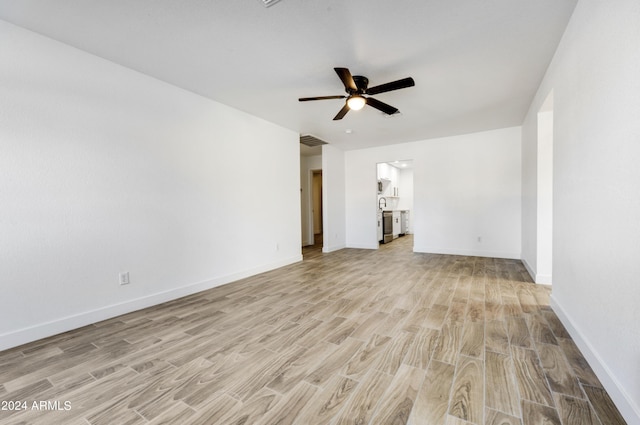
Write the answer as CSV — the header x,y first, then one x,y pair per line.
x,y
356,87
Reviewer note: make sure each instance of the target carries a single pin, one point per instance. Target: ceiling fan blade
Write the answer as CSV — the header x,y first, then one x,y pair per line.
x,y
381,106
394,85
342,112
346,78
305,99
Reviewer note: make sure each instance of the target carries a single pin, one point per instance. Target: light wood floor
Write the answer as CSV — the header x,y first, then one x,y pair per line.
x,y
350,337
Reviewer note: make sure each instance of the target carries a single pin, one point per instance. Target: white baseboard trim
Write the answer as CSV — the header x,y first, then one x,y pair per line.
x,y
468,252
333,248
65,324
540,279
629,408
529,269
543,279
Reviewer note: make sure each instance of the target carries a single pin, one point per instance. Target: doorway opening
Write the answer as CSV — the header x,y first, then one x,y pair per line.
x,y
316,206
394,202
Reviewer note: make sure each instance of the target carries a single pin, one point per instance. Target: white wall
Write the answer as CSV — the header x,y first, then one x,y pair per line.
x,y
104,170
544,213
530,194
596,186
465,187
537,193
333,197
405,185
307,164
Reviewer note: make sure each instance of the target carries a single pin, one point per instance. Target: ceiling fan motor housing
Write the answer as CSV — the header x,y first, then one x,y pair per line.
x,y
361,82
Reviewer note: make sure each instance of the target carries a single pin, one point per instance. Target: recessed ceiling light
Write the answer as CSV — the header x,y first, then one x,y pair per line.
x,y
348,131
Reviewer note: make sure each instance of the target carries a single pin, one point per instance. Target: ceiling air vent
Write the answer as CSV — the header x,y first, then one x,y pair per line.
x,y
311,141
268,3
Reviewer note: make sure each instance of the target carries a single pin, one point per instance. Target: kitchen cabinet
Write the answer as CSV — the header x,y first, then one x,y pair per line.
x,y
384,171
388,176
397,226
404,222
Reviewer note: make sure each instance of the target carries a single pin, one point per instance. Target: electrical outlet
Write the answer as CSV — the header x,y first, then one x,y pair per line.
x,y
124,278
479,238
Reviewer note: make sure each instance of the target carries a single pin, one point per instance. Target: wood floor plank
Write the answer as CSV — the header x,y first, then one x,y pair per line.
x,y
295,334
530,376
557,370
179,414
416,318
320,332
575,411
288,377
370,325
96,397
252,410
494,417
453,420
303,311
422,348
364,400
432,401
527,301
328,403
334,362
501,391
539,329
14,377
365,357
538,414
472,343
395,353
457,311
475,311
343,331
436,316
496,338
467,393
493,310
603,406
289,406
558,329
491,288
196,391
397,402
162,385
578,363
518,332
448,346
259,377
510,303
215,409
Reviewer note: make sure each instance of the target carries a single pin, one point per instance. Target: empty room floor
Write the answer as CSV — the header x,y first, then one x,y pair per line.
x,y
355,336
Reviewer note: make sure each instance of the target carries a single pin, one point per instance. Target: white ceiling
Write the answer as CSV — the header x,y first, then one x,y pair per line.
x,y
476,63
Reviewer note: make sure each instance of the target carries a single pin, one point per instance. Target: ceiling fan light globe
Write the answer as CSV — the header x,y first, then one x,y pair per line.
x,y
356,102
